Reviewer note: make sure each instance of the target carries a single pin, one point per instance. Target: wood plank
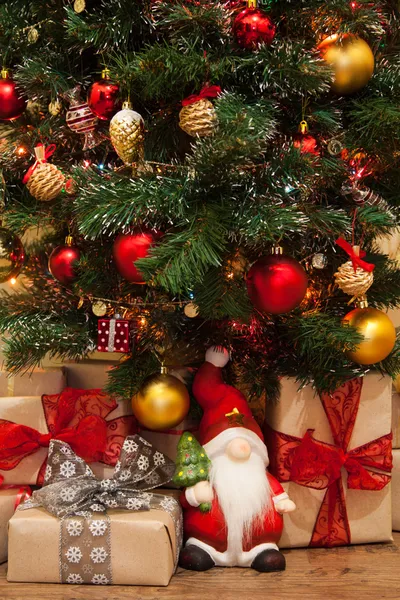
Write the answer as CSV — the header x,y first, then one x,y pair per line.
x,y
351,573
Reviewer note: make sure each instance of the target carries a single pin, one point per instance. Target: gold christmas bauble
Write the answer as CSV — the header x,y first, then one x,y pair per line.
x,y
352,60
199,118
378,331
161,403
127,134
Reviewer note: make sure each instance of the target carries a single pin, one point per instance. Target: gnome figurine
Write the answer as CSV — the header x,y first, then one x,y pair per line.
x,y
245,522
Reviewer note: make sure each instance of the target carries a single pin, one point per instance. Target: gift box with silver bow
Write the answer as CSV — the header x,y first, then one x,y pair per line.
x,y
78,529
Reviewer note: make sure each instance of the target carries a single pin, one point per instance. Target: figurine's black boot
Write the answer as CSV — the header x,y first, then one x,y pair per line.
x,y
195,559
268,561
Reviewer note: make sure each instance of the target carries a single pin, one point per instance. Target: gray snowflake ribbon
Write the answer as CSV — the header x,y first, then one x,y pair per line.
x,y
73,493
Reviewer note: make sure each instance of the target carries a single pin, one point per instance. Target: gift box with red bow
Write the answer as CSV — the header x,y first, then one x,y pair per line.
x,y
333,455
396,490
92,422
10,498
33,383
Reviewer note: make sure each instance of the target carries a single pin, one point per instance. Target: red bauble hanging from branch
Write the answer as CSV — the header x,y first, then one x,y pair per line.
x,y
252,27
277,283
62,262
128,248
103,97
12,102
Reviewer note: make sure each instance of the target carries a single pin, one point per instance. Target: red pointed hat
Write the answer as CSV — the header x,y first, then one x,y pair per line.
x,y
226,413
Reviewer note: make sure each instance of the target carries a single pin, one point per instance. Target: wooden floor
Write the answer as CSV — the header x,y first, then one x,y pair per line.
x,y
351,573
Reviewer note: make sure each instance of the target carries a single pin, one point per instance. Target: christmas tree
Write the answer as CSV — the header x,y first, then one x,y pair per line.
x,y
189,166
192,465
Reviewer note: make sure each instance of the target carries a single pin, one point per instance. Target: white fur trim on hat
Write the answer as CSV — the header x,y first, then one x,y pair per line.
x,y
217,445
217,356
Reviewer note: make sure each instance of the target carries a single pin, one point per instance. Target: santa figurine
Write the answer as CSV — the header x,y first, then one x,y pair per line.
x,y
245,522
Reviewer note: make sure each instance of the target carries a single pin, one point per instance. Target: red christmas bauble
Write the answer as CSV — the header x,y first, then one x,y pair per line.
x,y
128,248
276,284
306,143
62,262
12,102
103,97
253,26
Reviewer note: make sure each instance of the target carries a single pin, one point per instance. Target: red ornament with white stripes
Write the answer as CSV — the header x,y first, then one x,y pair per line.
x,y
80,119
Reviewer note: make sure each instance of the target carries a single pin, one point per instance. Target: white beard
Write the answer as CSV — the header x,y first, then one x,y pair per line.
x,y
244,495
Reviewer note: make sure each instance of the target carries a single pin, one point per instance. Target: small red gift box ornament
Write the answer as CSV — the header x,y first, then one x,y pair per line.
x,y
113,335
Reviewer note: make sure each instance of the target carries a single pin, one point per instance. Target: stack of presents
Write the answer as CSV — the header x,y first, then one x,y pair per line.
x,y
331,453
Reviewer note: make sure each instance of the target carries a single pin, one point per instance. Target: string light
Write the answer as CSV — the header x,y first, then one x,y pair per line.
x,y
13,281
100,166
86,163
21,150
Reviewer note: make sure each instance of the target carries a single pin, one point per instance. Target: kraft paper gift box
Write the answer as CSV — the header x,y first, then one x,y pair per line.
x,y
396,490
332,454
41,413
9,499
396,416
34,383
167,441
136,543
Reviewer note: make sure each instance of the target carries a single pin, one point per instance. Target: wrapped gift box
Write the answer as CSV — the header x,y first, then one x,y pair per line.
x,y
321,449
39,413
9,499
88,374
167,441
396,490
113,335
35,383
143,547
396,418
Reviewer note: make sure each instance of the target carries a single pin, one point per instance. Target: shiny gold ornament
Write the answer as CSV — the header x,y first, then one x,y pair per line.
x,y
99,308
127,134
198,119
33,35
79,6
55,107
161,403
378,331
12,255
352,60
191,310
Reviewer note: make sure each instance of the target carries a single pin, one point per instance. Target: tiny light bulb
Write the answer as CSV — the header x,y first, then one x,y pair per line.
x,y
86,163
21,150
230,275
101,166
143,321
13,281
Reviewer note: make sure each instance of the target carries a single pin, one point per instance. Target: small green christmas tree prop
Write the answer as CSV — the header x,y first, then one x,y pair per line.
x,y
192,465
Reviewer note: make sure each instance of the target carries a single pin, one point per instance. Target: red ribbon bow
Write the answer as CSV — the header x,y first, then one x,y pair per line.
x,y
355,258
315,464
208,91
24,492
76,417
42,154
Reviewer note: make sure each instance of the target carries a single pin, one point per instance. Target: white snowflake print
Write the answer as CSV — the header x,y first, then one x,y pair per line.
x,y
117,467
88,471
159,459
168,503
83,513
108,484
56,459
65,566
65,450
74,578
134,504
153,479
143,462
47,473
87,569
98,527
68,494
67,469
97,507
111,503
99,579
75,528
73,554
125,475
146,497
130,446
98,555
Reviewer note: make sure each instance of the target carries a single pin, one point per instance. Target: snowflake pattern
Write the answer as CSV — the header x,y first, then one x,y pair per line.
x,y
108,484
168,504
83,513
97,507
143,462
153,479
98,555
65,450
74,578
111,503
99,579
88,471
98,527
56,459
47,473
159,459
87,569
68,494
134,504
73,554
130,446
117,467
125,475
74,528
67,469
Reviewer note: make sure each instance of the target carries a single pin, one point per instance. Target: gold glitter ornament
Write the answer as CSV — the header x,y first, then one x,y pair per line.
x,y
99,308
44,180
198,119
127,134
191,310
79,6
33,35
55,107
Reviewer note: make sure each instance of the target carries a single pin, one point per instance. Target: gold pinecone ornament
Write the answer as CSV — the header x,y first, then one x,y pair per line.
x,y
198,117
355,276
44,180
127,134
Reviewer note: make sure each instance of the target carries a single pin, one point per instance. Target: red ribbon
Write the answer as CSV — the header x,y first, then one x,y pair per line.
x,y
355,258
24,492
208,91
76,417
42,154
315,464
